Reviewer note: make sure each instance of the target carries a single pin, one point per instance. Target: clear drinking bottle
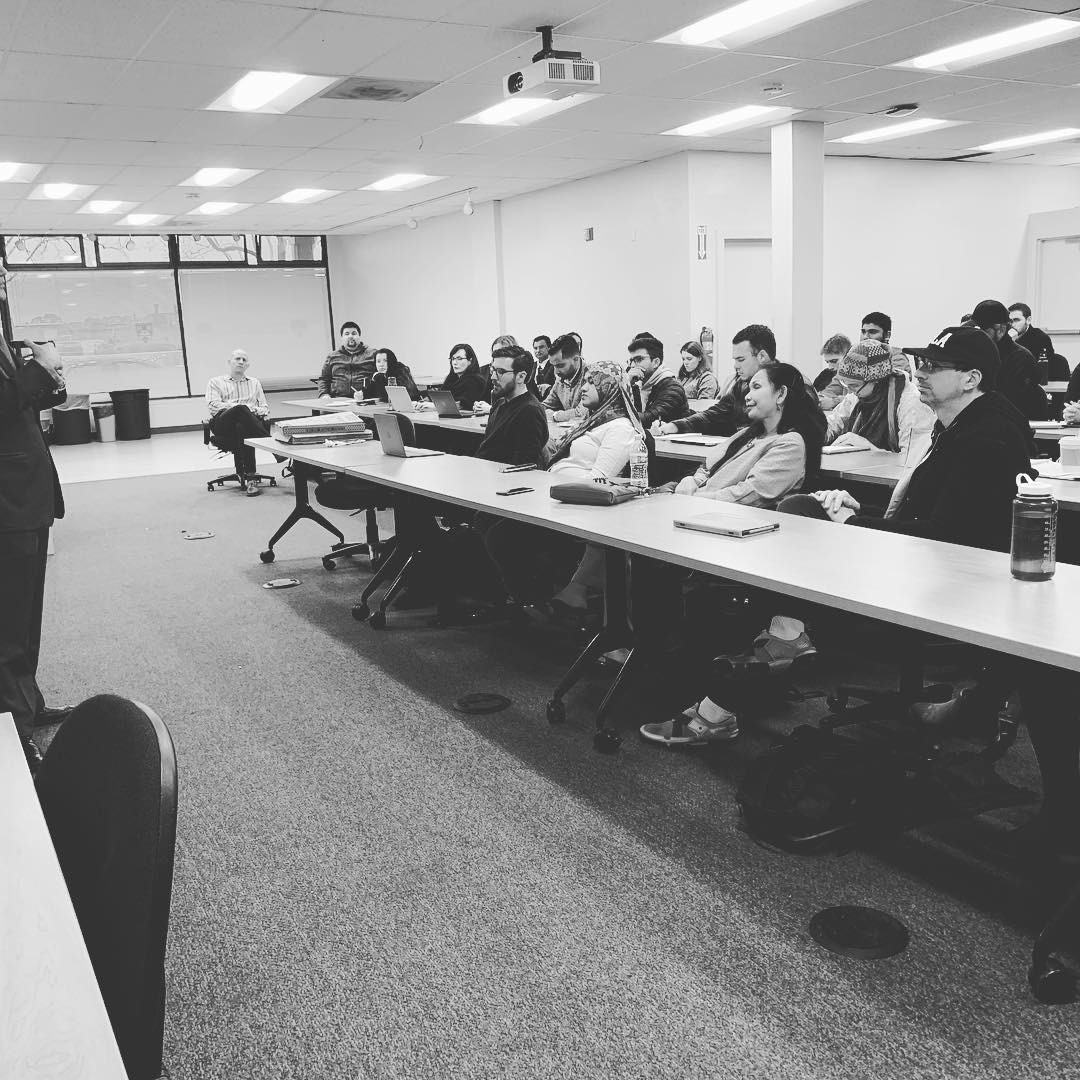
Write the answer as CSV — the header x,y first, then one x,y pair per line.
x,y
1034,530
639,467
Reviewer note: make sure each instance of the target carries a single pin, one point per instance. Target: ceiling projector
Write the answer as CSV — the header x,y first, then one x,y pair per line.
x,y
552,73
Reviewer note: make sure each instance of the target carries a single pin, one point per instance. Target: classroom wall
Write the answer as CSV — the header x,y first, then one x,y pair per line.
x,y
1052,225
923,241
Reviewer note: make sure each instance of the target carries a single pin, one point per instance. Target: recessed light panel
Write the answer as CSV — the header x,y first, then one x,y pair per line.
x,y
966,54
140,220
401,182
105,206
516,111
1058,135
896,131
305,195
746,116
16,172
271,92
752,20
219,176
62,192
214,209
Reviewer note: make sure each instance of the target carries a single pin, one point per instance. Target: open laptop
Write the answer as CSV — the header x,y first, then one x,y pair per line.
x,y
446,406
386,424
399,399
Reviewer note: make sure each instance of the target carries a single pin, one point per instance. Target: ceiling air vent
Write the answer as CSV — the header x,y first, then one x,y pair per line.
x,y
363,89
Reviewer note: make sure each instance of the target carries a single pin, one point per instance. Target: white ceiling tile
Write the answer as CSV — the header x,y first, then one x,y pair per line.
x,y
440,51
520,14
511,141
29,149
1052,7
619,21
78,28
611,144
171,86
221,32
118,122
420,10
324,160
375,135
298,131
67,173
630,69
100,151
37,77
333,43
148,176
708,76
224,128
32,118
1033,66
456,138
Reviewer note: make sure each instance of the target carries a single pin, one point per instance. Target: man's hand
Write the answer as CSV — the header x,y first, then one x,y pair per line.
x,y
849,438
481,408
686,486
321,396
1071,415
47,357
838,504
660,428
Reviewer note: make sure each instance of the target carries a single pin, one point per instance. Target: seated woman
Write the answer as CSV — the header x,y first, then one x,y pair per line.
x,y
696,378
598,447
769,459
464,380
389,370
238,411
881,407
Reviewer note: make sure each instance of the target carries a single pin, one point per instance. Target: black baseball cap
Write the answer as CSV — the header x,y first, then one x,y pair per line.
x,y
967,348
989,313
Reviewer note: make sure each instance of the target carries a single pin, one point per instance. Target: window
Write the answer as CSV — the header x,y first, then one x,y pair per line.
x,y
290,249
132,249
115,329
200,248
43,250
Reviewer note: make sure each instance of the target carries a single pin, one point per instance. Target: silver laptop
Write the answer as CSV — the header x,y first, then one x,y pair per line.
x,y
386,424
399,399
446,407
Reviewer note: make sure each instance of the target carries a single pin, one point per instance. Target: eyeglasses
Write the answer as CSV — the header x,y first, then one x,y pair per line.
x,y
852,386
931,367
499,372
463,359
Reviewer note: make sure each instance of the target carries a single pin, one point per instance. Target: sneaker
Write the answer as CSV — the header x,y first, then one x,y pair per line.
x,y
960,715
253,488
690,728
780,653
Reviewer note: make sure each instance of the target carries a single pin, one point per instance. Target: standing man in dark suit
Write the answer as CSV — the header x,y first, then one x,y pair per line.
x,y
30,498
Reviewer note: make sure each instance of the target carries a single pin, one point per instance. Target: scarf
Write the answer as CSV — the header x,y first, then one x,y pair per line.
x,y
607,377
874,417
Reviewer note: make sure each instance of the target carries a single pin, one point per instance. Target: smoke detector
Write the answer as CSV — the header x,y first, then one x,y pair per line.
x,y
773,89
902,110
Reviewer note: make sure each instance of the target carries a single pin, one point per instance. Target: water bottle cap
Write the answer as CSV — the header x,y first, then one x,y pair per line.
x,y
1027,488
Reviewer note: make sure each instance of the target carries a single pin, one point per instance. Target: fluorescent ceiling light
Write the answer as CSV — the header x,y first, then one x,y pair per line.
x,y
400,181
305,195
103,206
1060,135
743,117
61,191
271,92
219,177
752,20
995,46
895,131
214,208
143,219
515,111
15,172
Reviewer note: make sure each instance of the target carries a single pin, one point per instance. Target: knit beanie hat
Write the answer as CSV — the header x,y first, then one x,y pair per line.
x,y
868,361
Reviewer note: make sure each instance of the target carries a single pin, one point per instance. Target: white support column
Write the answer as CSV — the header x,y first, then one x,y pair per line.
x,y
798,182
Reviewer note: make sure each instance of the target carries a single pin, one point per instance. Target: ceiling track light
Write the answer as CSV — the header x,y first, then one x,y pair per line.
x,y
468,209
412,223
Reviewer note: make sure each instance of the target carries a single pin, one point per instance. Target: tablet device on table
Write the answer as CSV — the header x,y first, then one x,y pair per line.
x,y
727,524
843,448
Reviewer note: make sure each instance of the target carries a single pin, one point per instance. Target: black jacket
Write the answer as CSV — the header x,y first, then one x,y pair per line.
x,y
30,496
962,492
666,402
1019,380
1073,391
467,388
1037,342
723,418
517,431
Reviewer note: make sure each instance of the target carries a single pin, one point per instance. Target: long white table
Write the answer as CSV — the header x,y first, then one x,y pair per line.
x,y
961,593
53,1023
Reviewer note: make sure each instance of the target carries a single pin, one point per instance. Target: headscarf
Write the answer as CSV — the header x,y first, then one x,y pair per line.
x,y
615,401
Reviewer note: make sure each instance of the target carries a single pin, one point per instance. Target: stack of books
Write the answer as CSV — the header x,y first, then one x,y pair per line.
x,y
315,429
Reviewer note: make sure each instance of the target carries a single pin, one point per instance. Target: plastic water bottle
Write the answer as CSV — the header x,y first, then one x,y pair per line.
x,y
639,467
1034,530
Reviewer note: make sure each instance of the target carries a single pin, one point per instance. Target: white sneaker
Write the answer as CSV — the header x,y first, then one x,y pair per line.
x,y
253,487
690,728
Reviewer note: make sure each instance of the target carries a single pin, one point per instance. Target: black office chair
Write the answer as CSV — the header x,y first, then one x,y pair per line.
x,y
237,474
107,789
349,493
403,552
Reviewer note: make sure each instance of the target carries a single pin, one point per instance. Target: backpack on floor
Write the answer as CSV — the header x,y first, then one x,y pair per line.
x,y
815,791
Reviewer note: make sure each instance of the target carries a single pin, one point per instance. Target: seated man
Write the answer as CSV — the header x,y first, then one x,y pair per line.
x,y
564,397
238,411
517,429
832,352
1036,341
544,373
752,348
347,368
663,398
881,408
1019,376
876,326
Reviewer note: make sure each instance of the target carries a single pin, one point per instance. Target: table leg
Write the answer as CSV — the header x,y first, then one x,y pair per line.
x,y
300,511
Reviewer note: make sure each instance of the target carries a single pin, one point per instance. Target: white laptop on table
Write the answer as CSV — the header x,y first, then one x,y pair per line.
x,y
386,424
399,399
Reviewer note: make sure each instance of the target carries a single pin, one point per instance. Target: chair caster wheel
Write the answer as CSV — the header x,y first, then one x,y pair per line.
x,y
378,620
266,556
607,741
210,486
837,703
1052,985
556,712
273,482
360,612
328,563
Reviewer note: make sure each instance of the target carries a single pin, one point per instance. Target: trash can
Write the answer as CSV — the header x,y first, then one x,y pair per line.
x,y
71,421
132,411
105,422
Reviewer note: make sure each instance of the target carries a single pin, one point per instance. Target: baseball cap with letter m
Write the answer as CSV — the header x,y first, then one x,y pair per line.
x,y
964,347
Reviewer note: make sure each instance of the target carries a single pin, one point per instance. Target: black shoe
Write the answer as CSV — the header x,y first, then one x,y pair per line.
x,y
52,714
33,755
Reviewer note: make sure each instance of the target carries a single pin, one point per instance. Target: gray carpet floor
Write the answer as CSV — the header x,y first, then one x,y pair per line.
x,y
371,884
